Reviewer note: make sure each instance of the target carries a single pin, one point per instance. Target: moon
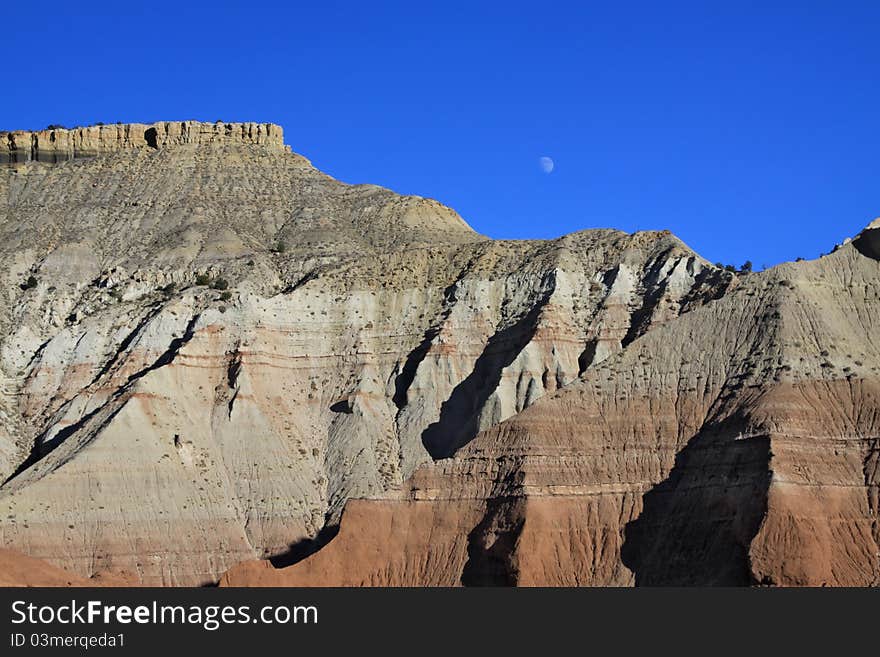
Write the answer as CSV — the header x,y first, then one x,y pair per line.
x,y
546,164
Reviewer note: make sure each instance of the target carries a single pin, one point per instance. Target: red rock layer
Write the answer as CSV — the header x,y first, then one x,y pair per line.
x,y
17,569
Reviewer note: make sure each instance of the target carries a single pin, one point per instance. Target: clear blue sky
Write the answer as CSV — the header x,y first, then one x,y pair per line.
x,y
750,129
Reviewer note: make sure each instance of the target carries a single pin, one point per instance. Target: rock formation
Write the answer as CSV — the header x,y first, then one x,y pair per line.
x,y
17,570
735,445
212,353
55,145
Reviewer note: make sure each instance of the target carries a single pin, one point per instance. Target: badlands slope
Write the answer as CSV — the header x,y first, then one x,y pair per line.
x,y
738,444
208,347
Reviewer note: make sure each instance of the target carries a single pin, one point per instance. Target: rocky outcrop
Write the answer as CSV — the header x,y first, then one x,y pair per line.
x,y
221,346
55,145
339,389
212,353
735,445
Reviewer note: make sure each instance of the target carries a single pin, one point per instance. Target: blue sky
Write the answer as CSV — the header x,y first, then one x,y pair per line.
x,y
750,129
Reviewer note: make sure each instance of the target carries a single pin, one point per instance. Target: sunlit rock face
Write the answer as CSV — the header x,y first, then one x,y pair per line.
x,y
213,354
208,346
735,445
55,145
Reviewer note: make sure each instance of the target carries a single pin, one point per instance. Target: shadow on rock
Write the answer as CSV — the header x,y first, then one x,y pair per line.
x,y
696,526
305,547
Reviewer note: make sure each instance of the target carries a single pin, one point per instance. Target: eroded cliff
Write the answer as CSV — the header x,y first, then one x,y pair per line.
x,y
735,445
209,346
54,145
212,353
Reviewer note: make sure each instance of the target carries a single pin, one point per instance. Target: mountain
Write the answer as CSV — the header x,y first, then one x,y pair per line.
x,y
736,445
213,354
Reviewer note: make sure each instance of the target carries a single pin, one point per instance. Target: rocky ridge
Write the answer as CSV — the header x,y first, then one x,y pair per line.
x,y
55,145
212,353
736,445
210,347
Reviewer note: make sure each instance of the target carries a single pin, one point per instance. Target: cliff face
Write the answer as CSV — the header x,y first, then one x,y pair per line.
x,y
60,145
212,353
220,346
736,445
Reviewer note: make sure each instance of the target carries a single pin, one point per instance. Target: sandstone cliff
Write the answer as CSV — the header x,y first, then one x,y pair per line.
x,y
209,346
735,445
212,353
55,145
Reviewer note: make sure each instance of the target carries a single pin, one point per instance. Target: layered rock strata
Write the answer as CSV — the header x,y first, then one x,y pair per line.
x,y
54,145
209,347
212,353
735,445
